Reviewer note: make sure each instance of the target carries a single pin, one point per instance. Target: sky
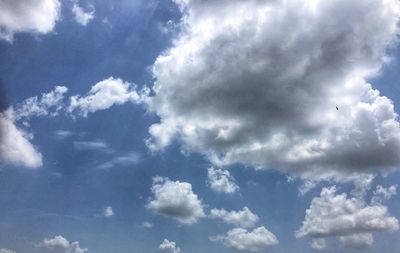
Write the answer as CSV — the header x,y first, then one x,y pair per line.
x,y
184,126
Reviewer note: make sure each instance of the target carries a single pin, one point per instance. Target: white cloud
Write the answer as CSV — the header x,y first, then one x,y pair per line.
x,y
381,193
357,241
318,244
221,181
351,220
262,89
176,200
35,16
81,16
49,104
241,239
62,134
122,160
103,95
6,251
15,146
108,212
169,247
147,224
61,244
97,145
242,218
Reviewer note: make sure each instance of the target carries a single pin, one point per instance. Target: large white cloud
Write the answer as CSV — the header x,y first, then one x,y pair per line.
x,y
176,200
169,247
262,89
242,218
349,219
61,244
36,16
15,144
240,239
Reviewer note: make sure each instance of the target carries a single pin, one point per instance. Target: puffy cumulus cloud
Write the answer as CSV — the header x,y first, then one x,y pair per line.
x,y
348,219
81,16
15,144
357,241
381,193
242,218
241,239
61,244
169,247
262,89
103,95
36,16
6,251
221,181
48,104
176,200
108,212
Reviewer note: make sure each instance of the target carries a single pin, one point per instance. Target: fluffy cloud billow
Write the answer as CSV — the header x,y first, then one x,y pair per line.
x,y
240,239
176,200
35,16
15,144
61,244
349,219
262,90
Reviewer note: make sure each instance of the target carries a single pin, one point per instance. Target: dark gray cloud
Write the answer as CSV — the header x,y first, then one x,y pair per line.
x,y
262,90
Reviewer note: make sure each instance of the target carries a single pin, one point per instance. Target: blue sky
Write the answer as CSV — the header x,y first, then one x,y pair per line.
x,y
211,124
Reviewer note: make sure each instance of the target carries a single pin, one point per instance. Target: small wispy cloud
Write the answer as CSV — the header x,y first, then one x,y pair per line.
x,y
147,224
122,160
108,212
81,16
62,134
97,145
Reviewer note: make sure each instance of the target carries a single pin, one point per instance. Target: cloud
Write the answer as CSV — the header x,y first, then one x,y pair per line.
x,y
62,134
147,224
108,212
6,251
38,16
262,90
81,16
61,244
49,104
176,200
15,146
169,247
221,181
122,160
357,241
350,220
381,193
244,218
97,145
241,239
103,95
318,244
